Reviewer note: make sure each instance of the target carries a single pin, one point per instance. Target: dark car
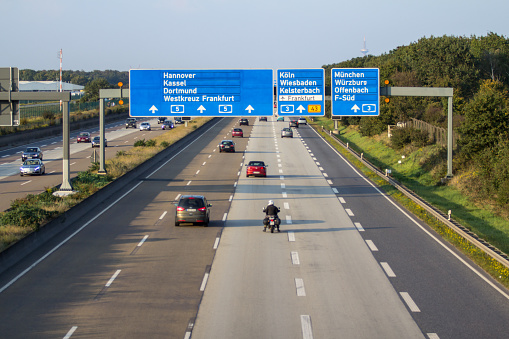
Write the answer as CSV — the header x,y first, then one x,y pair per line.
x,y
244,122
31,152
178,120
32,166
262,119
160,120
286,132
130,122
237,132
83,137
167,124
192,209
96,142
294,123
256,168
227,146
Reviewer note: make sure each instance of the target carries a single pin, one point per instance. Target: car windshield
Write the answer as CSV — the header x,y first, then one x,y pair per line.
x,y
31,150
84,134
256,163
191,203
32,162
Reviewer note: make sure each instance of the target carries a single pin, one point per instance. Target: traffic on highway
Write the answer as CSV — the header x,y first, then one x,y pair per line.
x,y
348,262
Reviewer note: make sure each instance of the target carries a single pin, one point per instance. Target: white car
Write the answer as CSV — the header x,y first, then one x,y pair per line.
x,y
145,126
302,121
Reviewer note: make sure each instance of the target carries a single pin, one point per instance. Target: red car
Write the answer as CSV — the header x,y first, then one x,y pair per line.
x,y
237,132
83,137
256,168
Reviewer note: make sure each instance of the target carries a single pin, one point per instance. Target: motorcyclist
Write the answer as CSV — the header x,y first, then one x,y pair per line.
x,y
271,210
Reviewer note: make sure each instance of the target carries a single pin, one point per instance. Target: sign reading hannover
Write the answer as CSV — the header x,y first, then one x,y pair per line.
x,y
200,93
355,91
301,91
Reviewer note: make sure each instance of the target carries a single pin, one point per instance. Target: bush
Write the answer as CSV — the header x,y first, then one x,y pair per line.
x,y
140,143
165,144
121,153
151,143
401,137
370,126
419,138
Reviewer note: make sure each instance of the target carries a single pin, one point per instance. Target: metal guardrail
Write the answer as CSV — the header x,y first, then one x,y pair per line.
x,y
473,238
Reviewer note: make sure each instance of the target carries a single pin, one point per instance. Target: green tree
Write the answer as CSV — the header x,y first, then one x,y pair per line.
x,y
92,89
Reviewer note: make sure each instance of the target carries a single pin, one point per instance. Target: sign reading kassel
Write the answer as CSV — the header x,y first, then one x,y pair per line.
x,y
200,93
301,91
355,91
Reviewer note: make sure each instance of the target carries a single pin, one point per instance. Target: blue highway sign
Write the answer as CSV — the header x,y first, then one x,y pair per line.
x,y
355,91
301,92
200,93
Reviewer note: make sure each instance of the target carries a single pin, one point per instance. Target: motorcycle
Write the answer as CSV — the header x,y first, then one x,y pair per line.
x,y
271,223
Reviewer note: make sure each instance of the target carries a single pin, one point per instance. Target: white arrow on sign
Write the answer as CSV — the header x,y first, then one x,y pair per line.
x,y
153,109
201,109
300,109
249,109
355,108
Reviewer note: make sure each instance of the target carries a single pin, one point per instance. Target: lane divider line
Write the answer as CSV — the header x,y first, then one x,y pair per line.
x,y
388,270
342,200
115,275
409,301
286,205
349,212
162,215
307,330
335,190
289,219
225,216
359,226
71,332
299,285
142,240
205,278
295,258
371,245
291,236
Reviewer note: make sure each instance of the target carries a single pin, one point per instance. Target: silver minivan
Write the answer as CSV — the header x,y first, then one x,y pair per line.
x,y
192,209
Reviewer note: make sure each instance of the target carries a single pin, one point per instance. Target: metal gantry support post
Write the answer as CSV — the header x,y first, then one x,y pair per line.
x,y
66,187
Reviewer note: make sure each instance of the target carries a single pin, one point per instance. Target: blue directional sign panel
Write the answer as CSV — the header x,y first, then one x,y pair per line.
x,y
193,93
355,91
301,92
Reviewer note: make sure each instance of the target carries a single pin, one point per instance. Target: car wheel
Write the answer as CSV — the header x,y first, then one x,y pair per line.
x,y
177,223
21,174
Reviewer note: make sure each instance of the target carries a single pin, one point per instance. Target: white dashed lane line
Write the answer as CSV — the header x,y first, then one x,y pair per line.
x,y
388,270
409,301
371,245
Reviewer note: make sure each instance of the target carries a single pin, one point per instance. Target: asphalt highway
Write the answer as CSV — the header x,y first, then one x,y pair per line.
x,y
349,262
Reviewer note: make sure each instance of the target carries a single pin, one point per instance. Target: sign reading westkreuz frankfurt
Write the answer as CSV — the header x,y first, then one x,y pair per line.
x,y
200,93
355,91
301,91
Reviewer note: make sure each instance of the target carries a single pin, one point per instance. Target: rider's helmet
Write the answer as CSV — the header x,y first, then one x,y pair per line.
x,y
271,202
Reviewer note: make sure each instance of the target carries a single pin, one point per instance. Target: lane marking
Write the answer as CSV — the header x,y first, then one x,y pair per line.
x,y
359,226
282,177
317,163
284,195
325,175
329,182
342,200
335,190
71,331
288,219
371,245
432,336
178,197
26,182
204,163
291,236
225,216
72,163
231,198
162,215
280,171
283,185
115,275
388,270
235,184
409,301
320,168
286,205
204,282
189,183
142,240
216,243
295,258
307,330
299,285
198,171
349,212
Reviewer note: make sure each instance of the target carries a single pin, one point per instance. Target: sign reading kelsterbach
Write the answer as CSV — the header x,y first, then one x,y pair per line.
x,y
301,92
200,93
355,91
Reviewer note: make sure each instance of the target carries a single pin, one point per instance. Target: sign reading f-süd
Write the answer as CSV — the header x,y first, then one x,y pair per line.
x,y
200,93
301,92
355,91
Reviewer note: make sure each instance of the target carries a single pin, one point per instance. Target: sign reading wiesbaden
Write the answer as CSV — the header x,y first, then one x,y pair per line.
x,y
355,91
301,91
194,93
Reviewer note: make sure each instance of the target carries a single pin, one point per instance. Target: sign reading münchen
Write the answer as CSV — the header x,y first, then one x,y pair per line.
x,y
355,91
200,93
301,92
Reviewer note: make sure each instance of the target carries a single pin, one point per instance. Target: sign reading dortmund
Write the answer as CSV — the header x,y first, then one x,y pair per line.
x,y
200,93
355,91
301,91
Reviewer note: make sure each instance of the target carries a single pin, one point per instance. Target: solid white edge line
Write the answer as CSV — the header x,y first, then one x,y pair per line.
x,y
307,330
115,275
388,270
291,236
216,243
143,240
409,301
204,282
299,286
418,225
162,215
71,331
66,240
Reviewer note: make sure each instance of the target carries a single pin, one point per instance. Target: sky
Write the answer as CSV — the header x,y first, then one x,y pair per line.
x,y
227,34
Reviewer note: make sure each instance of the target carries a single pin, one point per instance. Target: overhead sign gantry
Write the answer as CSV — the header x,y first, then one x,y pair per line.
x,y
301,92
195,93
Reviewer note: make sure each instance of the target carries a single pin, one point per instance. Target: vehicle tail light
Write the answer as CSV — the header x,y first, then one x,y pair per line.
x,y
202,209
180,208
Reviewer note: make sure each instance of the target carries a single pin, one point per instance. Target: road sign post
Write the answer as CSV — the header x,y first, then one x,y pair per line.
x,y
194,93
355,91
9,109
301,92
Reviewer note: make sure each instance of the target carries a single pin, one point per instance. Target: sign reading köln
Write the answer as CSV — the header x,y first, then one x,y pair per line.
x,y
193,93
301,92
355,91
